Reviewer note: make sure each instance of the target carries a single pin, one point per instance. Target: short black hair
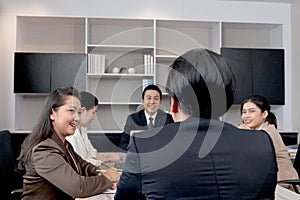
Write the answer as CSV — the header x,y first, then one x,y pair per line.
x,y
88,100
152,87
202,82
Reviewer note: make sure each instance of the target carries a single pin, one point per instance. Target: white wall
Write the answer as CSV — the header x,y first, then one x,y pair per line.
x,y
168,9
295,14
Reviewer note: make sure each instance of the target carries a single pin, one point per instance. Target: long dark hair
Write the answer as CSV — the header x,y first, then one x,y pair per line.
x,y
43,128
202,83
264,105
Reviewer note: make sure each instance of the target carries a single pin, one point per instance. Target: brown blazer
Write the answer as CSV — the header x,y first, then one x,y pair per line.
x,y
285,166
49,174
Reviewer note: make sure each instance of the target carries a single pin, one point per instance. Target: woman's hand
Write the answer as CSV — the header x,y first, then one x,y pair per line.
x,y
109,157
113,176
243,126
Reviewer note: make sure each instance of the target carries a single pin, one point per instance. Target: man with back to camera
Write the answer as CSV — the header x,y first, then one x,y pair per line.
x,y
199,156
149,117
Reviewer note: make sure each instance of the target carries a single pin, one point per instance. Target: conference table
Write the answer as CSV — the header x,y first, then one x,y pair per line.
x,y
280,193
103,196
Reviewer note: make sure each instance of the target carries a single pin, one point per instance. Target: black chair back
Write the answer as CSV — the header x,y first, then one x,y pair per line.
x,y
9,179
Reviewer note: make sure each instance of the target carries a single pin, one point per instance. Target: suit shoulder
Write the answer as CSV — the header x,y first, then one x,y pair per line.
x,y
48,145
161,112
165,115
46,148
137,114
229,128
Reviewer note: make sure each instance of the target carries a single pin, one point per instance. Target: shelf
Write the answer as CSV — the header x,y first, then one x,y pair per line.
x,y
163,62
191,34
137,32
165,57
22,131
116,90
125,56
252,35
118,47
114,76
50,34
32,94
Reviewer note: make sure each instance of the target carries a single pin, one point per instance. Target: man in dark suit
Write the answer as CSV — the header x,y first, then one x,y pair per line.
x,y
149,117
199,156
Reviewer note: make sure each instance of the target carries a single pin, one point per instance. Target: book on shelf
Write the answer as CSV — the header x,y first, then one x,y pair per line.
x,y
148,64
147,82
96,63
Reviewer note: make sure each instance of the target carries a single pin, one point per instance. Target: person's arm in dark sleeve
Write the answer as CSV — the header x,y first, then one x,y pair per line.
x,y
130,184
125,137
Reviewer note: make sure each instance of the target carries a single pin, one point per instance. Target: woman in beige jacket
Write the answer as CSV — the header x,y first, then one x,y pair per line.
x,y
256,115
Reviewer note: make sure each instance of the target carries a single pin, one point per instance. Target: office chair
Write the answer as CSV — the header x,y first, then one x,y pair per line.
x,y
9,179
293,182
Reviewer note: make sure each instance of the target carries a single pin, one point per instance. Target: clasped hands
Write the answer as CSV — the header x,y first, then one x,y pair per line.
x,y
113,175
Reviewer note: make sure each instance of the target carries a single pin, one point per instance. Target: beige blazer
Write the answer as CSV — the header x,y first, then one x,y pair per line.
x,y
285,166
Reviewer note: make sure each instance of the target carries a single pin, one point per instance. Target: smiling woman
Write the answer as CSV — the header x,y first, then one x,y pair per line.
x,y
256,115
66,118
52,170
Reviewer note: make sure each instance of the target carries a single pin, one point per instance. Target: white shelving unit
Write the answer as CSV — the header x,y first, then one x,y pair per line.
x,y
124,42
50,34
252,35
44,35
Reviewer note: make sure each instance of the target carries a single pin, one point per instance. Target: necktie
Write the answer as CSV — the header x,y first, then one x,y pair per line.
x,y
150,125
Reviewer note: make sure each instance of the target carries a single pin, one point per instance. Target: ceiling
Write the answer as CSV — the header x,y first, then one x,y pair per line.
x,y
278,1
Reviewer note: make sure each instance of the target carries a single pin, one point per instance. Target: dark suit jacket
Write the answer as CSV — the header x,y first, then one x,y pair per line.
x,y
138,121
199,159
50,175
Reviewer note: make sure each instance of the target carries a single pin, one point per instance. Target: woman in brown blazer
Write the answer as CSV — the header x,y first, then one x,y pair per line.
x,y
52,169
256,115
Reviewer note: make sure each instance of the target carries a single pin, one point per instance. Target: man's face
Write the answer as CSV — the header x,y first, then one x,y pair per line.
x,y
151,101
87,116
